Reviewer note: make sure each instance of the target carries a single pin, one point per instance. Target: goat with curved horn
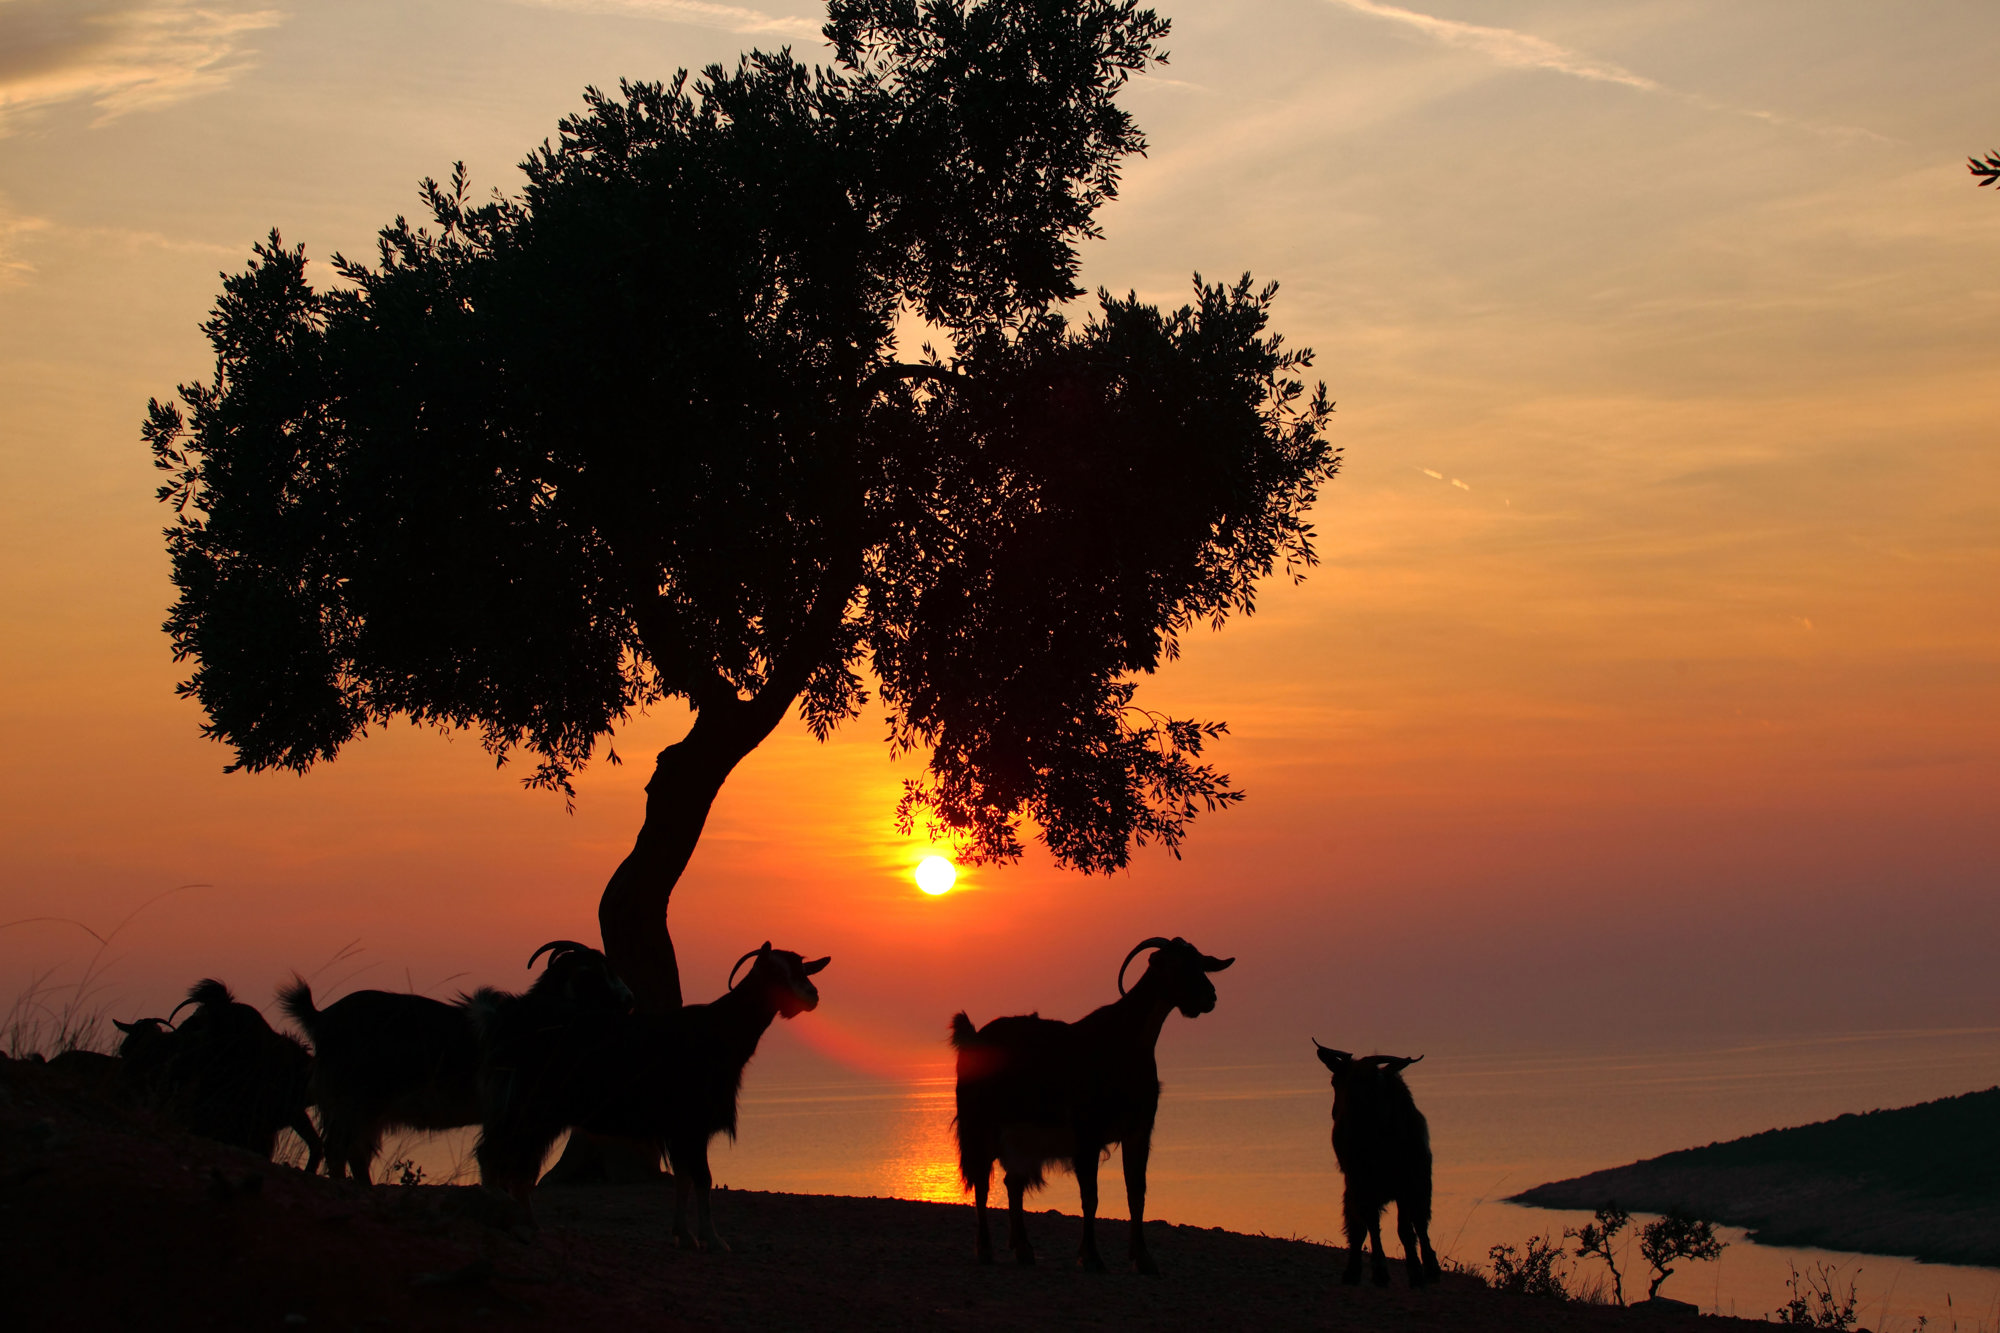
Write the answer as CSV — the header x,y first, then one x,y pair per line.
x,y
385,1059
671,1079
1033,1091
558,949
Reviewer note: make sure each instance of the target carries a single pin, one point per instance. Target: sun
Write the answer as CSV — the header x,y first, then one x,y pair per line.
x,y
935,874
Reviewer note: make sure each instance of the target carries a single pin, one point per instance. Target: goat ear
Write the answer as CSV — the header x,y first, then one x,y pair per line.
x,y
1332,1059
764,949
1394,1064
1209,964
123,1026
816,965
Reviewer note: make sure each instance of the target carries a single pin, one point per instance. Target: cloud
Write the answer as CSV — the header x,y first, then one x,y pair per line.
x,y
120,55
1523,50
701,13
1519,49
14,228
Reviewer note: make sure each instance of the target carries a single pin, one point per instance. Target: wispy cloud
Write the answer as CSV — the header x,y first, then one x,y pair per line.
x,y
1519,49
1524,50
701,13
14,229
120,55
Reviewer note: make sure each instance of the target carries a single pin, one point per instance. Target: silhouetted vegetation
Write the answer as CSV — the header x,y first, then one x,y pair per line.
x,y
1541,1270
1987,170
1919,1180
1818,1302
1676,1238
1663,1242
1594,1240
643,433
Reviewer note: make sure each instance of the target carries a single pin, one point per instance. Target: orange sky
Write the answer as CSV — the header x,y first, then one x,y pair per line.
x,y
1647,689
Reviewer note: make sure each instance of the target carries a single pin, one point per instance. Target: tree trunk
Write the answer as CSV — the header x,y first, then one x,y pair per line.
x,y
632,915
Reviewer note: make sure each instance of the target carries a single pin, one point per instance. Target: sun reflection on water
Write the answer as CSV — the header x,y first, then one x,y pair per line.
x,y
923,1164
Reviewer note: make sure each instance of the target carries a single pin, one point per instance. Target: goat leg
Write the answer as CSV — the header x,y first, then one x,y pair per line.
x,y
1136,1150
983,1243
1406,1231
1017,1226
1380,1275
302,1126
683,1186
1355,1222
1087,1257
691,1176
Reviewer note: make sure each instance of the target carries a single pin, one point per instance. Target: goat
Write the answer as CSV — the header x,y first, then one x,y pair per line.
x,y
1383,1145
671,1078
223,1074
145,1054
384,1059
1033,1091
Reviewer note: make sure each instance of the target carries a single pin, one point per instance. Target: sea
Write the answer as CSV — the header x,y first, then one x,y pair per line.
x,y
1245,1146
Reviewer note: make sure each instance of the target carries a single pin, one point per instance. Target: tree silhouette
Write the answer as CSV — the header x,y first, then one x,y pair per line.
x,y
640,433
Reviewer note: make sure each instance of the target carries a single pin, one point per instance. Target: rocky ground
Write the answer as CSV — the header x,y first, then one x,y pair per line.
x,y
111,1220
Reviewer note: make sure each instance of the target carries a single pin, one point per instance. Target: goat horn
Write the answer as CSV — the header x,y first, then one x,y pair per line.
x,y
1156,942
762,948
556,949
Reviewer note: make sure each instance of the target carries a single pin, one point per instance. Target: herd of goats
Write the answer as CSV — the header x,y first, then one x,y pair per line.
x,y
571,1052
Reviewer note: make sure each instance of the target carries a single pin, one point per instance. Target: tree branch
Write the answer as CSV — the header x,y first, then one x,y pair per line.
x,y
669,650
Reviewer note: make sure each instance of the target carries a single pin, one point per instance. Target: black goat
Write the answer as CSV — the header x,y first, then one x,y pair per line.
x,y
145,1054
383,1059
1383,1145
223,1074
1034,1091
671,1079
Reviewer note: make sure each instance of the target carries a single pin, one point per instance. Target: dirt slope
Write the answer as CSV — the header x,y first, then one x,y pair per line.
x,y
111,1220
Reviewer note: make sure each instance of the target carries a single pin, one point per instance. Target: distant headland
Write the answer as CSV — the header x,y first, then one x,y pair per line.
x,y
1921,1181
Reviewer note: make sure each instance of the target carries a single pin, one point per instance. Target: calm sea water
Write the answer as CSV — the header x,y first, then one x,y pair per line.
x,y
1245,1146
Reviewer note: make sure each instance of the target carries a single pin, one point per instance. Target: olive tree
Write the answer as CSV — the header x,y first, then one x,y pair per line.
x,y
643,432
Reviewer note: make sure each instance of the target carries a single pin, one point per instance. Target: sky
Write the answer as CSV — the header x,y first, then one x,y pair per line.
x,y
1647,692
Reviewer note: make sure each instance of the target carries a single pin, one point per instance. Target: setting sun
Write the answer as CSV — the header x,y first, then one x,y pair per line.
x,y
935,874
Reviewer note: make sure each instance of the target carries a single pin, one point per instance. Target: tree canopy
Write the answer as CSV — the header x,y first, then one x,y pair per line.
x,y
641,432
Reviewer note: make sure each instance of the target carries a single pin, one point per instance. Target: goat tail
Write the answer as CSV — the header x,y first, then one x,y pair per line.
x,y
482,1007
963,1034
207,991
297,1002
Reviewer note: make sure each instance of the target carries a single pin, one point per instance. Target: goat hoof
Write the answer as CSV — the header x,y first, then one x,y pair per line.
x,y
1143,1263
1381,1277
1025,1258
1351,1278
1090,1263
985,1256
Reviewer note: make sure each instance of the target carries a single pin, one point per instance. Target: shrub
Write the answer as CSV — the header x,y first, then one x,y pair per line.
x,y
1674,1238
1539,1272
1816,1300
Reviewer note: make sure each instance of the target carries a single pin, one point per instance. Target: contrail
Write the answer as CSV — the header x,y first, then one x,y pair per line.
x,y
1520,49
1523,50
729,18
